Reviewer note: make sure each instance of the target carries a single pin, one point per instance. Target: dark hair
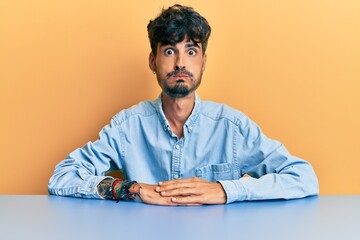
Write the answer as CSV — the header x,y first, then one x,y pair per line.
x,y
176,23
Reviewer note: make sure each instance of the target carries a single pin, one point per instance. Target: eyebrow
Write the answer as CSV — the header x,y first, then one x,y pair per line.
x,y
173,44
194,44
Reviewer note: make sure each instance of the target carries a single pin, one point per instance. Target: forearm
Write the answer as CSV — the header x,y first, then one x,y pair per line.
x,y
67,181
117,189
275,173
104,188
286,185
80,173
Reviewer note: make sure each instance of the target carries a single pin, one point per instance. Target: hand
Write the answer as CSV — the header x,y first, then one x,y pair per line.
x,y
150,196
192,191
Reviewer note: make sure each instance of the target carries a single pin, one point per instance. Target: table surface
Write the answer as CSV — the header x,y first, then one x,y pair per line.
x,y
52,217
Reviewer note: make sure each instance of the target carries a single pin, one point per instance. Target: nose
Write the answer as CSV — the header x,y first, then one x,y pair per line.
x,y
178,68
179,65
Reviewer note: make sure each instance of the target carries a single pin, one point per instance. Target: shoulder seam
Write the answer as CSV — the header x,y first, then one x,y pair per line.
x,y
126,114
236,119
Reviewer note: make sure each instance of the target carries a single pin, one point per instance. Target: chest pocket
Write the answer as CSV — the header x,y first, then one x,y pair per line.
x,y
215,172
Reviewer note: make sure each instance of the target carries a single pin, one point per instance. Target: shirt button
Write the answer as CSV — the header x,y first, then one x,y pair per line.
x,y
190,128
176,176
59,192
177,146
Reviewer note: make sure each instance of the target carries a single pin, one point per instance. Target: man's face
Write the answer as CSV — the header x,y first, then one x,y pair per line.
x,y
178,67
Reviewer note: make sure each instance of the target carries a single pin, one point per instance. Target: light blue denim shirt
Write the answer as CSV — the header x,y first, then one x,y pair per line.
x,y
219,144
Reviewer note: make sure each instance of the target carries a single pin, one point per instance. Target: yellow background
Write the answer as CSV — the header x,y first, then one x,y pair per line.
x,y
67,66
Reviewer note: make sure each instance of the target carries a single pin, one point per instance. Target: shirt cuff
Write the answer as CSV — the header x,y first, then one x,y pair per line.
x,y
111,178
234,189
90,190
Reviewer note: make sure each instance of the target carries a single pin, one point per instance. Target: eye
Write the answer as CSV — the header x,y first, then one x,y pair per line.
x,y
169,51
192,52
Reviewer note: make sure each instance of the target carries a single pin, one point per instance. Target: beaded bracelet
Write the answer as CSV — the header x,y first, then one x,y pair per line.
x,y
129,190
113,188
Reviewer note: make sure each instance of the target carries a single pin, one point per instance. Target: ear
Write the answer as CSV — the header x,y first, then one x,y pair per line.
x,y
152,64
204,63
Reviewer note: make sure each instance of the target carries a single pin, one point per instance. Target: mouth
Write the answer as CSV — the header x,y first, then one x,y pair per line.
x,y
180,76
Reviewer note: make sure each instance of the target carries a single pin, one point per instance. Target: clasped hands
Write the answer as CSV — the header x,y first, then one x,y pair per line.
x,y
189,192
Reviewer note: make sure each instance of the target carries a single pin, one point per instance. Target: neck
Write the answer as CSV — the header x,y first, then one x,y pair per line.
x,y
177,111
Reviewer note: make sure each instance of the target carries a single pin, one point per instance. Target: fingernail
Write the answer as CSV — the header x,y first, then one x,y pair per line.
x,y
162,193
173,199
160,183
157,189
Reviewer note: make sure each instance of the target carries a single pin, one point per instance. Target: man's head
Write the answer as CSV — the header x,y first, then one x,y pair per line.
x,y
175,24
178,38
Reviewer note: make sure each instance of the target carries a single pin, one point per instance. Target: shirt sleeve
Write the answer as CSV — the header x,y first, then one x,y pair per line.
x,y
79,174
273,172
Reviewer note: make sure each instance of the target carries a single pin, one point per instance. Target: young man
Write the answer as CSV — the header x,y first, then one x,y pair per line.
x,y
179,150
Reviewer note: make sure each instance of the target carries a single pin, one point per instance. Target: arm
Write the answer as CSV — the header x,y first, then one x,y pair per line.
x,y
104,189
81,172
142,191
118,189
274,172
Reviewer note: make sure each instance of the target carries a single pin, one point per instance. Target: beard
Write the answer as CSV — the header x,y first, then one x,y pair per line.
x,y
180,89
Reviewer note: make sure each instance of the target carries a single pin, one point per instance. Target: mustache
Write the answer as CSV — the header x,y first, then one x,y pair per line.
x,y
179,71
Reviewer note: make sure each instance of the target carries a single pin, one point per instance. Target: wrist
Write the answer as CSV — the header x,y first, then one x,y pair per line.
x,y
223,196
125,190
104,187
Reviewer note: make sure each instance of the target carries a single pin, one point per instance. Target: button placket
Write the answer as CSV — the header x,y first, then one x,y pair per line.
x,y
176,160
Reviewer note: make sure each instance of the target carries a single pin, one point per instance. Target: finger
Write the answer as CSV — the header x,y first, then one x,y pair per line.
x,y
181,186
182,191
188,200
159,200
179,183
184,180
189,204
149,196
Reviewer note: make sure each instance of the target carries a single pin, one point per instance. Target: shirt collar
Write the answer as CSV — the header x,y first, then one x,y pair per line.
x,y
190,122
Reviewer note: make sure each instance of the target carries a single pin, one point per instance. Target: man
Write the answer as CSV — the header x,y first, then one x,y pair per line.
x,y
179,150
